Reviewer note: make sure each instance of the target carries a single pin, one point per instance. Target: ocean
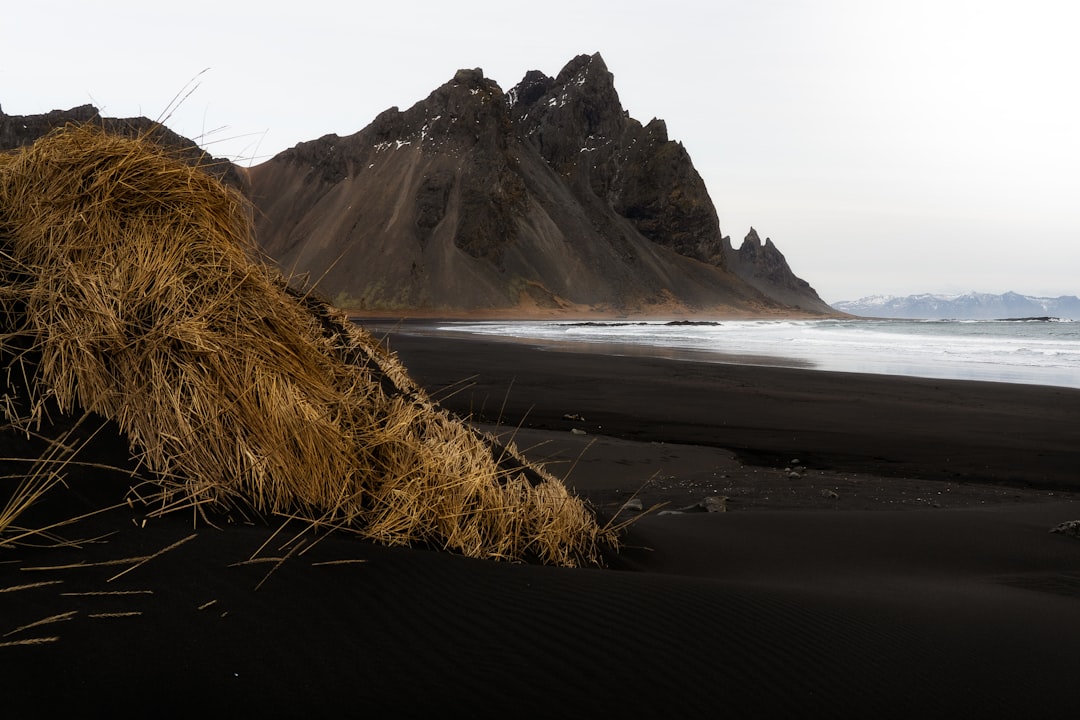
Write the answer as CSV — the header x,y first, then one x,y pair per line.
x,y
1040,352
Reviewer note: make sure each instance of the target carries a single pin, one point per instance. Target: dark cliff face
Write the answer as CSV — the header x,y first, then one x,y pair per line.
x,y
577,124
19,130
765,267
547,196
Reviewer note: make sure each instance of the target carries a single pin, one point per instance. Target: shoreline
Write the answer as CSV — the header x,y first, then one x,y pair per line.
x,y
1000,433
866,364
421,328
575,313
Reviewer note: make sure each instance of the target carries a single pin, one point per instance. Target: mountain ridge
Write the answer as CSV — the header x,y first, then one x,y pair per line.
x,y
548,198
966,306
19,130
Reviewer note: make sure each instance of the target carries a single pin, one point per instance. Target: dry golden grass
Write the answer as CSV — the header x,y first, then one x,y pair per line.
x,y
133,284
29,641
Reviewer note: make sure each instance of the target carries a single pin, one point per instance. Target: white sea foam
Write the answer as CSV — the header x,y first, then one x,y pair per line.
x,y
1034,352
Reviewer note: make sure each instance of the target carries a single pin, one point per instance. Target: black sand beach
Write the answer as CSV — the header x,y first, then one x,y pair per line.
x,y
908,571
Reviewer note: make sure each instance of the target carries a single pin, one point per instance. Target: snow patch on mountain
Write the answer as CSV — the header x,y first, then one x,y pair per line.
x,y
966,306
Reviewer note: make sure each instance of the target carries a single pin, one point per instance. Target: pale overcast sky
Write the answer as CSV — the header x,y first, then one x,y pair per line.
x,y
885,147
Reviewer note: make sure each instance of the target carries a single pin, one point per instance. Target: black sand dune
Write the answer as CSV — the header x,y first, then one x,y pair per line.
x,y
889,600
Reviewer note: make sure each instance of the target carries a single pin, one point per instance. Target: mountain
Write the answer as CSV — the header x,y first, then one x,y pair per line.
x,y
547,198
19,130
763,266
969,306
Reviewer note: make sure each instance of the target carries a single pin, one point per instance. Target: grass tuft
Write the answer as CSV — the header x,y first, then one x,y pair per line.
x,y
132,288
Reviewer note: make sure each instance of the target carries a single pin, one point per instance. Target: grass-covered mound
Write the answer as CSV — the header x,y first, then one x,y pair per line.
x,y
132,289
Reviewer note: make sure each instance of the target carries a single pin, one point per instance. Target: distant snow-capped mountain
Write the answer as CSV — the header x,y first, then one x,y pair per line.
x,y
969,306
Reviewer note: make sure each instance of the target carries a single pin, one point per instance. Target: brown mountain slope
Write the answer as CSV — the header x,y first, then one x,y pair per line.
x,y
545,199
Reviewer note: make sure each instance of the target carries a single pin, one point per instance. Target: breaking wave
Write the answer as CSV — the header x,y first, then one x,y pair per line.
x,y
1041,351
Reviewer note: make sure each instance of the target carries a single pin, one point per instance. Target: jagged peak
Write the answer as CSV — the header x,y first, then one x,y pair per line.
x,y
581,64
557,160
466,76
657,127
586,70
532,87
754,246
471,80
753,242
452,96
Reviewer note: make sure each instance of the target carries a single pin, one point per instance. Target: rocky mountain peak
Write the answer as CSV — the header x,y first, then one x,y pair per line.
x,y
763,266
532,87
577,123
562,198
577,112
548,196
468,110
